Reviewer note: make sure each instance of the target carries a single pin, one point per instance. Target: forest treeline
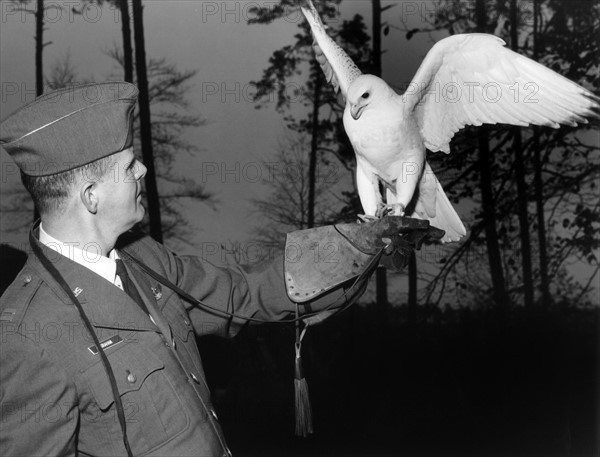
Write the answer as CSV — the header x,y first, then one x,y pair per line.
x,y
493,349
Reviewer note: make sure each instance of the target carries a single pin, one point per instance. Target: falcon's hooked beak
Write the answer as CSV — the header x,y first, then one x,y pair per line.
x,y
356,110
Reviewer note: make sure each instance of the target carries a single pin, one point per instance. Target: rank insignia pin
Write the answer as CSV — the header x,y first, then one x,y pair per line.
x,y
157,292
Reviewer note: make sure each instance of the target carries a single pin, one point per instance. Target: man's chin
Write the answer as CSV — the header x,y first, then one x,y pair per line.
x,y
142,213
139,218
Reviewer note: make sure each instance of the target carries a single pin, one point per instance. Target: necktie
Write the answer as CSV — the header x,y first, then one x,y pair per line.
x,y
129,287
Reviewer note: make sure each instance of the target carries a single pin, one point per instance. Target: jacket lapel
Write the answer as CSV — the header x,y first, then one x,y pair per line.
x,y
109,306
104,303
152,294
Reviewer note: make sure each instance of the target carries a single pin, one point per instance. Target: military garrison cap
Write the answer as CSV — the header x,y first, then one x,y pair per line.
x,y
71,127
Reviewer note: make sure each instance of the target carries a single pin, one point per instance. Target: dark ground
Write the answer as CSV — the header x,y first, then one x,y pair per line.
x,y
455,383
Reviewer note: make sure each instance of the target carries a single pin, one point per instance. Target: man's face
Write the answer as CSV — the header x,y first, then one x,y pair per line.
x,y
120,192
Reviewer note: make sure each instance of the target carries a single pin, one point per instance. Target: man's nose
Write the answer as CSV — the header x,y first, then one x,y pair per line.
x,y
142,170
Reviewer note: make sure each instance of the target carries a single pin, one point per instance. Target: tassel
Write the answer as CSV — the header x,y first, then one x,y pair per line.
x,y
303,409
304,424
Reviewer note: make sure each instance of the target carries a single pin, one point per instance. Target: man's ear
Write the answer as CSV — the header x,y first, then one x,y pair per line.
x,y
90,196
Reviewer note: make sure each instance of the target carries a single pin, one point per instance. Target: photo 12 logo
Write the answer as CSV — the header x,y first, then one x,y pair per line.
x,y
427,12
245,11
22,92
474,92
238,92
265,172
53,12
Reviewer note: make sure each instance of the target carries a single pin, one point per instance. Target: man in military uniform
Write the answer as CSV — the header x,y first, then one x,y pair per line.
x,y
97,356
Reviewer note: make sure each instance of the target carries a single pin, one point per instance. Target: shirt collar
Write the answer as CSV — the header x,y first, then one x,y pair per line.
x,y
88,257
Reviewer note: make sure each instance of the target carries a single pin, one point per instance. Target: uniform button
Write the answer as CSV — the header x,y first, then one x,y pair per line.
x,y
167,344
186,322
227,453
27,279
131,378
194,378
214,414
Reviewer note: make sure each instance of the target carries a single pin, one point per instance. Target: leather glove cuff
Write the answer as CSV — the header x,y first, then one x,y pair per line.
x,y
320,259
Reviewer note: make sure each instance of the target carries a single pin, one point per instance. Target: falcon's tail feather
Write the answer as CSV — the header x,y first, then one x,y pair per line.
x,y
445,217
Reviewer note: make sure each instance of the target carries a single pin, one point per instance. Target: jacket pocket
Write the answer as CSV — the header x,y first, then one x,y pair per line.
x,y
130,376
154,413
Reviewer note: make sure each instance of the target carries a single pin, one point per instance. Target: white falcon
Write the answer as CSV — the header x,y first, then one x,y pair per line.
x,y
468,79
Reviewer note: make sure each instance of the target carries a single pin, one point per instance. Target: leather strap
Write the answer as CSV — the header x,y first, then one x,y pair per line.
x,y
343,302
109,372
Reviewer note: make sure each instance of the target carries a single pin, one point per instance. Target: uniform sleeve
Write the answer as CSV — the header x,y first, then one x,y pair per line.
x,y
39,405
255,291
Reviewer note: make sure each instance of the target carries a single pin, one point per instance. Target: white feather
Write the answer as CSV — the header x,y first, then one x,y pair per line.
x,y
499,86
469,79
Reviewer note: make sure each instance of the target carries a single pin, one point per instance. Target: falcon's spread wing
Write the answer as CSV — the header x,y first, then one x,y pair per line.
x,y
473,79
338,67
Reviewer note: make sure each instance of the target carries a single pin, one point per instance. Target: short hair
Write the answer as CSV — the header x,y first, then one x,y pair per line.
x,y
50,192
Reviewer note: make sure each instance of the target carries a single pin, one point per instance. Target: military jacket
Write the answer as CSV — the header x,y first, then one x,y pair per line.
x,y
55,394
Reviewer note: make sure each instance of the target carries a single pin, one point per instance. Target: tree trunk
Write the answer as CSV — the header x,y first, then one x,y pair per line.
x,y
539,184
489,216
127,47
487,195
39,48
376,57
541,221
380,273
412,290
145,122
39,63
523,220
314,145
521,184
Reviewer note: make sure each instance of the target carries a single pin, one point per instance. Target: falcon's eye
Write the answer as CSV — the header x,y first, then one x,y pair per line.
x,y
365,95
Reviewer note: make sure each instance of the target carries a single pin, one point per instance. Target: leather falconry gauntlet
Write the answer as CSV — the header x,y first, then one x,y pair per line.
x,y
319,259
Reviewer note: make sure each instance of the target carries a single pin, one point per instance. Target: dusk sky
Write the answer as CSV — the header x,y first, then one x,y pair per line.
x,y
214,39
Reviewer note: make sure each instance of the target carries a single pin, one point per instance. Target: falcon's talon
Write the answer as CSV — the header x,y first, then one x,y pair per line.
x,y
391,209
398,209
367,218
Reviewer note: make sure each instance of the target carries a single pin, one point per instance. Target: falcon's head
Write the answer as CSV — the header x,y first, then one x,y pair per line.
x,y
365,91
